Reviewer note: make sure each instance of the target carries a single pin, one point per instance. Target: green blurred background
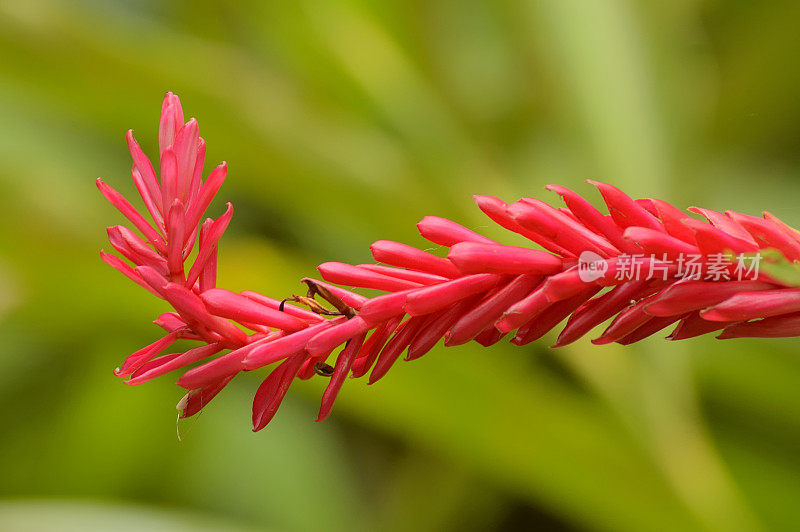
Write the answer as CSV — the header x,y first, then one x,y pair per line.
x,y
343,123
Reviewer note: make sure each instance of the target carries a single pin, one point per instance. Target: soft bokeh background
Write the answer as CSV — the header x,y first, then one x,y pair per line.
x,y
345,122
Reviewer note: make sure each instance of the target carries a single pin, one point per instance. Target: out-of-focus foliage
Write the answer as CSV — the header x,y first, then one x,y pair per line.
x,y
345,122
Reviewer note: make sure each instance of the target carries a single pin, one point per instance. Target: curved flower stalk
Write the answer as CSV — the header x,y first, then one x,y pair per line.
x,y
647,265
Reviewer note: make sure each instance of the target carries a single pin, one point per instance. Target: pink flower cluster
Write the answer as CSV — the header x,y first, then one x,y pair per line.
x,y
482,290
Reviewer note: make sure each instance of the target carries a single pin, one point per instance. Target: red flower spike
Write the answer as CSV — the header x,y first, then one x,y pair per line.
x,y
651,264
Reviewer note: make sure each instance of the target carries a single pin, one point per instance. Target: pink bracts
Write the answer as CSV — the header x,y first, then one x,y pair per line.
x,y
647,265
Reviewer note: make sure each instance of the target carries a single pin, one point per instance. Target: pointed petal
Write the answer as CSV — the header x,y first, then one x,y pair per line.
x,y
692,325
672,219
711,240
207,192
187,141
169,178
197,172
658,243
787,325
127,210
649,328
489,336
145,168
208,275
724,223
472,257
175,230
750,305
789,230
127,271
167,363
137,359
447,233
688,295
171,121
624,210
768,234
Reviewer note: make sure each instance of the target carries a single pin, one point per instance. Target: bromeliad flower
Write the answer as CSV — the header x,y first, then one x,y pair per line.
x,y
646,264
